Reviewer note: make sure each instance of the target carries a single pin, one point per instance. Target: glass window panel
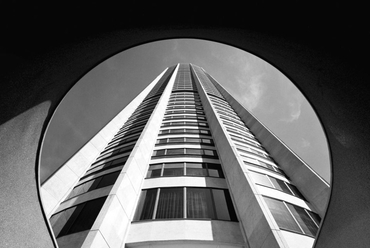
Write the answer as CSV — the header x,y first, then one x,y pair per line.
x,y
170,203
175,140
119,161
191,130
128,148
194,151
193,140
280,185
208,141
159,152
146,205
315,217
214,170
196,169
281,215
268,166
303,219
173,169
222,210
161,141
154,171
210,152
296,192
59,220
85,187
199,203
175,151
261,179
177,130
108,179
87,216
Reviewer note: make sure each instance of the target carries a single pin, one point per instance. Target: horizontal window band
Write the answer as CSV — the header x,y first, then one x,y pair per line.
x,y
183,156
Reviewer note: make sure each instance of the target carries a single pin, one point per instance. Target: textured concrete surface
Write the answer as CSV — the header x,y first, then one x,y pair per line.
x,y
195,230
322,52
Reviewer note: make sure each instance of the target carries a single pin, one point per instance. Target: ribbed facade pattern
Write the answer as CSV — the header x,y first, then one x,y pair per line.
x,y
264,171
182,179
185,148
104,171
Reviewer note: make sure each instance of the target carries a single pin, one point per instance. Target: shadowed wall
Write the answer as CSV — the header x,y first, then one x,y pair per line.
x,y
41,64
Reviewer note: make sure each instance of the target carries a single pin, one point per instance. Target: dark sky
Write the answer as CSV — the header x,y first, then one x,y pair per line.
x,y
107,89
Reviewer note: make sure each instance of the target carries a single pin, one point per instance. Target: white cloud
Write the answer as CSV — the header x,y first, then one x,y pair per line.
x,y
294,106
252,91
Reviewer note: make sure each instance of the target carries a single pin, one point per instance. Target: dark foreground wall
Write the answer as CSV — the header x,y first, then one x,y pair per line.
x,y
46,53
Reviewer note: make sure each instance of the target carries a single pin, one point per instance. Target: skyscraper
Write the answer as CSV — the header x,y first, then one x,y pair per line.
x,y
187,166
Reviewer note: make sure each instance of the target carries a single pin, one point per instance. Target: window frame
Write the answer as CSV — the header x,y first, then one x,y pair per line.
x,y
296,222
215,206
185,167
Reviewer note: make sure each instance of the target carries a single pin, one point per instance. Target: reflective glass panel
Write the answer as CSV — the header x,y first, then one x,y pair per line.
x,y
199,204
280,185
196,169
170,203
154,171
281,214
175,151
173,169
303,219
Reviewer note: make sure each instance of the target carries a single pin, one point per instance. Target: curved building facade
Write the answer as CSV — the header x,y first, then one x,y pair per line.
x,y
185,165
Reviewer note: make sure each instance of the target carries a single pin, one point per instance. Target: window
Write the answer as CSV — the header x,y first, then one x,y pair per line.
x,y
261,179
275,183
173,169
184,131
252,162
280,185
185,152
243,141
126,140
77,218
196,169
175,112
108,165
193,151
175,151
96,183
184,123
170,203
201,203
116,151
293,218
185,169
193,117
184,140
304,220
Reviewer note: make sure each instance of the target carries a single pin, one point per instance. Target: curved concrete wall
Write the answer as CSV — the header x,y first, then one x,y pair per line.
x,y
320,60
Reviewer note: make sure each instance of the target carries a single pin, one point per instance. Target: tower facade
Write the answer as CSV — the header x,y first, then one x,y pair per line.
x,y
187,166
